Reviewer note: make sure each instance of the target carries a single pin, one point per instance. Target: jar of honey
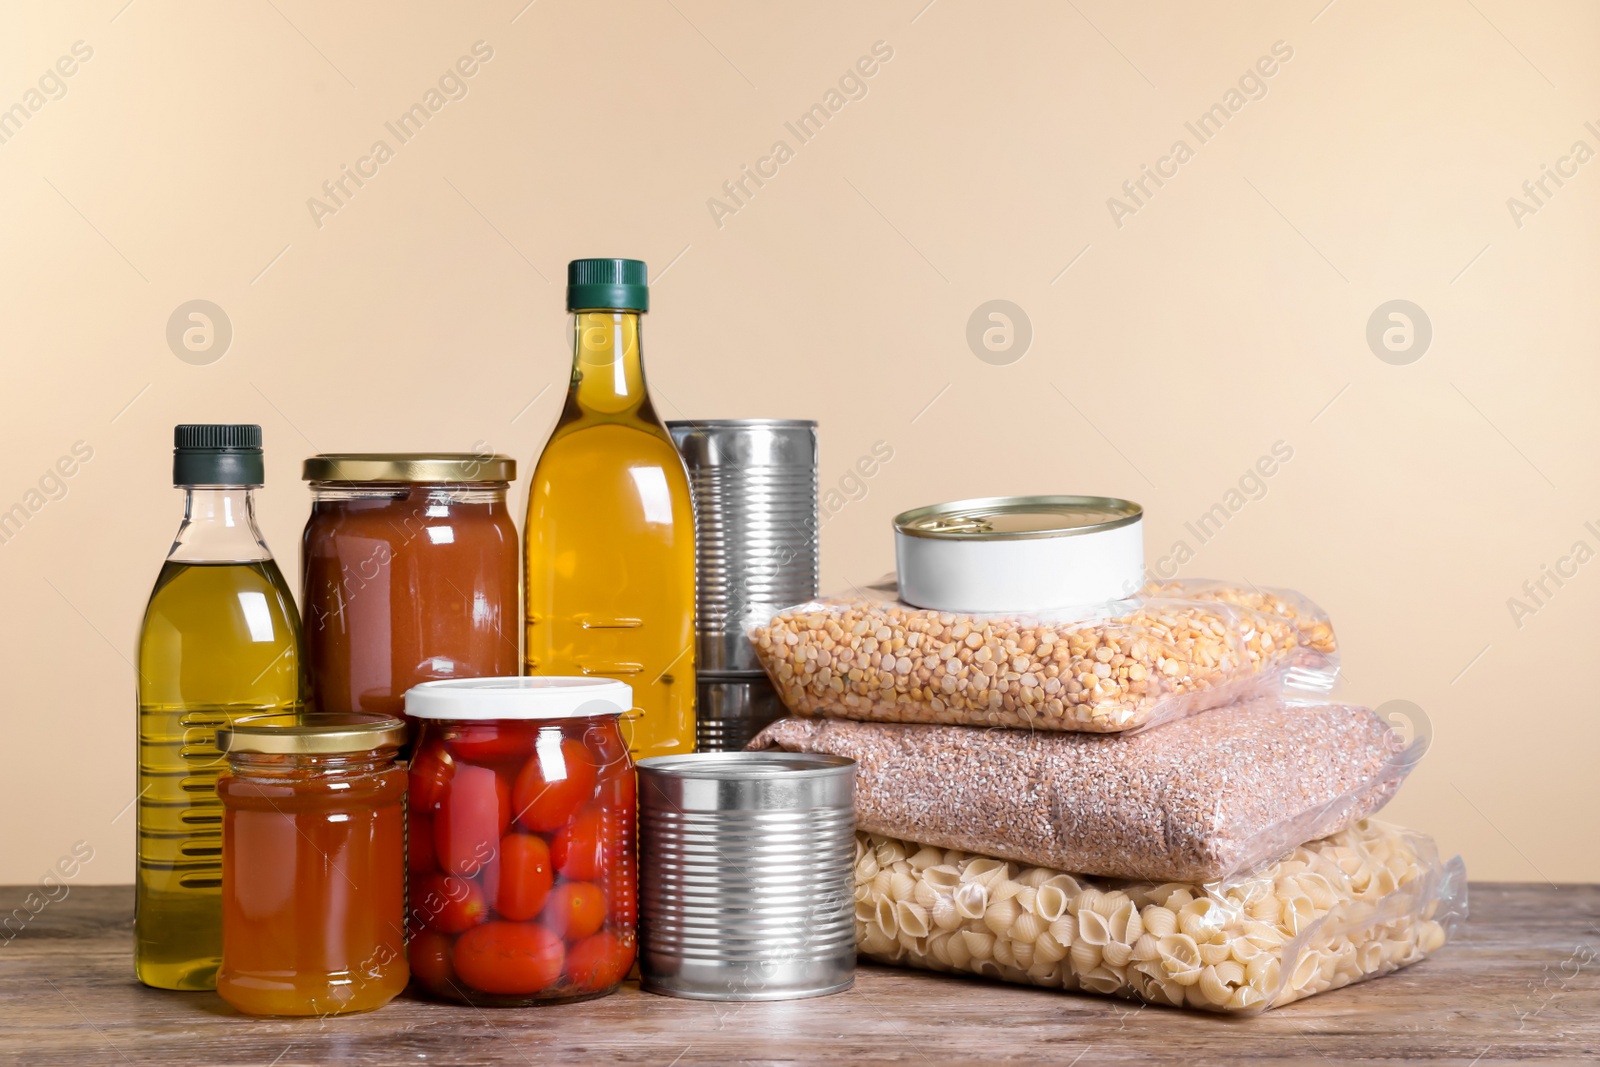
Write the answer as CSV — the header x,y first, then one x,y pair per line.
x,y
408,574
313,864
522,861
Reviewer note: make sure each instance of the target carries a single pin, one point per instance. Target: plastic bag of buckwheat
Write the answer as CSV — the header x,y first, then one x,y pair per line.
x,y
1198,800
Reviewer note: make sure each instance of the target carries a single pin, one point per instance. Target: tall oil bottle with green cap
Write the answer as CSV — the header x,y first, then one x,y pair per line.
x,y
609,542
220,640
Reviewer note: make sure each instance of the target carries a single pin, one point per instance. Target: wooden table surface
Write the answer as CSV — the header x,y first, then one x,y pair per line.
x,y
1521,984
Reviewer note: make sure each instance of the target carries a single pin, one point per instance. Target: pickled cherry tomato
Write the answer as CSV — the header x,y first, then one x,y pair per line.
x,y
618,798
431,769
523,876
580,850
473,815
599,961
575,910
555,782
487,742
508,958
619,789
429,956
622,896
420,854
607,749
450,904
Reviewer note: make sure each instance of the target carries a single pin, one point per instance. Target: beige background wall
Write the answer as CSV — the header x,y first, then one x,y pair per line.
x,y
1225,314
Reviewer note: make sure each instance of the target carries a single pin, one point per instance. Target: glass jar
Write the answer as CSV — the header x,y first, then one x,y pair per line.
x,y
313,864
522,865
408,574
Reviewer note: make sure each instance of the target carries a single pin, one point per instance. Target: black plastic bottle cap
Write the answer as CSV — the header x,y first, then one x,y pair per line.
x,y
608,285
217,454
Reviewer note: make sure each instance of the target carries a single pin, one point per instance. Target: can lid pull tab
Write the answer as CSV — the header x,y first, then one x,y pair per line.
x,y
961,523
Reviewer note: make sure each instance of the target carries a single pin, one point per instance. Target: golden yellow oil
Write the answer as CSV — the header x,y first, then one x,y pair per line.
x,y
609,542
219,641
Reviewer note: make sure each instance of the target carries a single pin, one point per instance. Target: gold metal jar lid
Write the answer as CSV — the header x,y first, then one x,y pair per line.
x,y
311,734
1011,518
427,467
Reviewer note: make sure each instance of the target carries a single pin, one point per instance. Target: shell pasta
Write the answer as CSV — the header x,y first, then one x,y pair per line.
x,y
1352,906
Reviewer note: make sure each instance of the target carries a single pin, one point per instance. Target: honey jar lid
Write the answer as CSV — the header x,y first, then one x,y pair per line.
x,y
426,467
532,697
311,734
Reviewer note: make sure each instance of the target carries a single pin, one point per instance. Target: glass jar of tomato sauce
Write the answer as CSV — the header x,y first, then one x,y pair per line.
x,y
408,574
522,864
313,863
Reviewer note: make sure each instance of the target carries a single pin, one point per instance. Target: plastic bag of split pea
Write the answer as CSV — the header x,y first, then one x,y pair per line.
x,y
1359,904
1108,668
1313,664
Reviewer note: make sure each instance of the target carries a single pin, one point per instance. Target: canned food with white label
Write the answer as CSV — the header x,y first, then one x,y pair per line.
x,y
1019,553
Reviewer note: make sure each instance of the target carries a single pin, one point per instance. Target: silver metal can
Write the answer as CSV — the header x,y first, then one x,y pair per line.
x,y
1019,553
746,864
754,483
731,709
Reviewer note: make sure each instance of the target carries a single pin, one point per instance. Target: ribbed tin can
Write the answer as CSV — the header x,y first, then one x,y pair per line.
x,y
731,709
746,864
755,494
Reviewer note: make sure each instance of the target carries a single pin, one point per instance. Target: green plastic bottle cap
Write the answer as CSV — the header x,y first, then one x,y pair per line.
x,y
608,285
217,454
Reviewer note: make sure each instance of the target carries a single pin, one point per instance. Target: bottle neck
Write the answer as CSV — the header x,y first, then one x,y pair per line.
x,y
607,365
219,526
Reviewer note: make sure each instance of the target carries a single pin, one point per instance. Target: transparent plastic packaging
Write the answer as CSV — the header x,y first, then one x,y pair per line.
x,y
1106,668
1315,662
1198,800
1359,904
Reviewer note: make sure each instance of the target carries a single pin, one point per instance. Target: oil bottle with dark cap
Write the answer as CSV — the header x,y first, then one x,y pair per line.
x,y
220,640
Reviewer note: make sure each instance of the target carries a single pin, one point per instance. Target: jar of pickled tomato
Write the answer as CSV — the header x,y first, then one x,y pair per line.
x,y
522,864
313,863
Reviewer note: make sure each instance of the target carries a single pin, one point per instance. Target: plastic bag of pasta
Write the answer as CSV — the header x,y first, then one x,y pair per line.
x,y
1359,904
1106,668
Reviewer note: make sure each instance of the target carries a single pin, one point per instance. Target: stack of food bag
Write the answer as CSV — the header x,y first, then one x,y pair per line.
x,y
1138,799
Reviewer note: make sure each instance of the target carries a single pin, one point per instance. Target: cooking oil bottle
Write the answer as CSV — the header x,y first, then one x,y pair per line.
x,y
609,540
220,640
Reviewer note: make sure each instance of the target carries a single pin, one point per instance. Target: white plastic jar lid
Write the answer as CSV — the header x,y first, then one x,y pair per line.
x,y
535,697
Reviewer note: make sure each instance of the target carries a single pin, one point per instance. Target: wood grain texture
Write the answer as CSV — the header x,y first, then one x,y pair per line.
x,y
1521,984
